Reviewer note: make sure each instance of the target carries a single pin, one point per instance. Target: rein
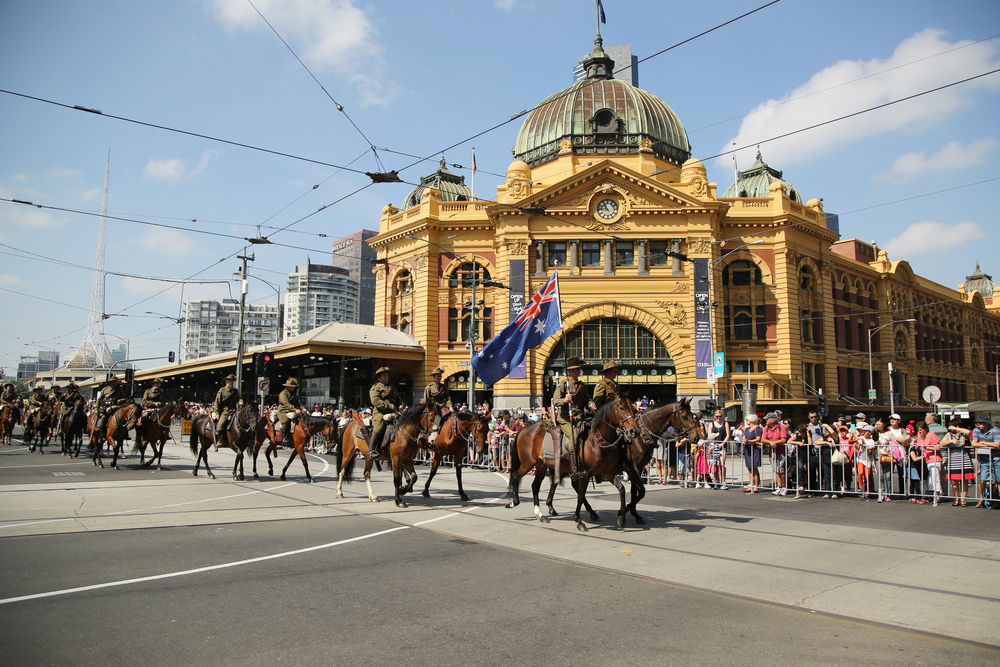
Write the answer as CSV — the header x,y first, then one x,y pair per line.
x,y
620,431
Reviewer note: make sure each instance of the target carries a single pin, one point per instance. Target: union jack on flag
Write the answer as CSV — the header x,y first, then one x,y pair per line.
x,y
539,319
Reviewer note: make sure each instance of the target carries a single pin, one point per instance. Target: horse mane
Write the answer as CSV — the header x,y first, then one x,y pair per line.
x,y
604,412
466,414
412,413
311,420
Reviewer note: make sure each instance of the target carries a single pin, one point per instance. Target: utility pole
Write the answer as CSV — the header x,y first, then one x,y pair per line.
x,y
243,303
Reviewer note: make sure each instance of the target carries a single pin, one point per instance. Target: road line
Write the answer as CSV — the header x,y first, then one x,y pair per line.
x,y
33,523
15,451
199,570
47,465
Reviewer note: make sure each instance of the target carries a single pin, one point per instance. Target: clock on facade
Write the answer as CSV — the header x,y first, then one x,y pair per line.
x,y
607,208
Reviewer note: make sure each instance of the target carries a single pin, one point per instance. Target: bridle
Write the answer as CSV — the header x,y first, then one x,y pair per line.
x,y
621,431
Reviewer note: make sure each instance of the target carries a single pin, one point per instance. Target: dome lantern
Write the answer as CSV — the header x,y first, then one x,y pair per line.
x,y
451,186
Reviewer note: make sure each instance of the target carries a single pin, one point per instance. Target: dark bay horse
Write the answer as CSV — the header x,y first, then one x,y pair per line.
x,y
527,454
237,437
156,429
265,433
639,451
10,417
118,430
307,427
74,423
352,440
97,436
41,426
458,432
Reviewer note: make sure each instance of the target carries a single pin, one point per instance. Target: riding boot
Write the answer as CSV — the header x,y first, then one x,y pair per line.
x,y
372,447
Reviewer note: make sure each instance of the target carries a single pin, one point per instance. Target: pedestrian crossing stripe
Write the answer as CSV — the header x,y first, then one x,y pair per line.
x,y
69,474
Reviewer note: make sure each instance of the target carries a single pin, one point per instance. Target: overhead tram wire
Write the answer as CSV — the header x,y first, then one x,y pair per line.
x,y
340,107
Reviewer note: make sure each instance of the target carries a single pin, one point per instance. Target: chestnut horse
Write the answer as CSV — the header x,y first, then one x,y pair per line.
x,y
118,430
265,432
639,451
10,416
307,427
156,429
41,426
613,422
351,441
458,432
237,437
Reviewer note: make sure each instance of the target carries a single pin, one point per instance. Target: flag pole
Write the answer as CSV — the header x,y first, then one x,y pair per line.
x,y
473,170
572,425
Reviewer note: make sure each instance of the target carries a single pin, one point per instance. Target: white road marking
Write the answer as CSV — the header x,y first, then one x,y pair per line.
x,y
48,465
14,451
32,523
209,568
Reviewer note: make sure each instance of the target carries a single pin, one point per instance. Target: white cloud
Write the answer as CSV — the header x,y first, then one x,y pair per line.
x,y
9,280
29,216
840,89
952,157
207,158
329,35
924,238
91,195
165,241
171,170
505,4
62,172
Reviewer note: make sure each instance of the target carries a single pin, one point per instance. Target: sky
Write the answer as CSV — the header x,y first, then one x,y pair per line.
x,y
416,78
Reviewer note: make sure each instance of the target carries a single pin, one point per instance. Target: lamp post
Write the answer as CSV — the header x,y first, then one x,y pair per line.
x,y
280,322
871,370
711,301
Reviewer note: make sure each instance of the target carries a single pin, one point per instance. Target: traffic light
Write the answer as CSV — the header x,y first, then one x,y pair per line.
x,y
170,357
824,405
266,362
129,376
258,363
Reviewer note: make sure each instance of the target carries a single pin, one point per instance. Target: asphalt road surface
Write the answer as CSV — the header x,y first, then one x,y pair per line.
x,y
138,566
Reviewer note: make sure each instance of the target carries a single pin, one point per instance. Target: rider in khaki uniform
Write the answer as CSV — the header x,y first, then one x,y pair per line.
x,y
152,398
35,402
9,394
385,400
607,389
288,404
436,396
572,399
72,400
226,402
112,397
55,394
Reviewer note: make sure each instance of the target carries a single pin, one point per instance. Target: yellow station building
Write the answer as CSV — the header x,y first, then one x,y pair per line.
x,y
602,187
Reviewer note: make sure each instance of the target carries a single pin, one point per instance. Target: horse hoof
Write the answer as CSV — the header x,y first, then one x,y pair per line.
x,y
580,527
194,474
639,520
594,516
400,503
211,475
240,478
543,519
373,499
339,495
426,494
311,480
282,478
552,512
621,523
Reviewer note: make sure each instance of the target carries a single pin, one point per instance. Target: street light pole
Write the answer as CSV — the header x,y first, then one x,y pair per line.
x,y
243,303
871,369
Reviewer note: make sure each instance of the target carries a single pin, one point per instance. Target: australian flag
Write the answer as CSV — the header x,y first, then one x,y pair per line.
x,y
539,319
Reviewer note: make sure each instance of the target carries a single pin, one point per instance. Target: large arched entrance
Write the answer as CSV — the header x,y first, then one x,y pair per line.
x,y
647,368
458,389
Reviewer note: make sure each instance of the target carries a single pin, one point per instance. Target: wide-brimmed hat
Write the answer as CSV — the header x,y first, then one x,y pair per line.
x,y
383,369
113,378
573,362
610,365
55,386
437,371
72,385
160,380
39,388
230,377
291,382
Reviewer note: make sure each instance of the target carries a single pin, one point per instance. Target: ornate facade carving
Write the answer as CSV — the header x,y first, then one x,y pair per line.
x,y
565,147
518,182
421,260
516,248
679,288
676,314
699,246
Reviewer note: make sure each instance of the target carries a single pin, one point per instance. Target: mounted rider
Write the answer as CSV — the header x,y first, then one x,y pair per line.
x,y
35,402
9,394
152,398
227,401
289,411
606,390
385,400
55,394
72,400
111,398
436,397
572,402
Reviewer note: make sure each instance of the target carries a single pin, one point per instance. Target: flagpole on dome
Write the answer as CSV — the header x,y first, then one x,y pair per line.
x,y
473,170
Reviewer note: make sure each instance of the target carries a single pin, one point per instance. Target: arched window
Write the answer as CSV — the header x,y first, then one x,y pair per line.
x,y
744,315
463,275
610,338
742,273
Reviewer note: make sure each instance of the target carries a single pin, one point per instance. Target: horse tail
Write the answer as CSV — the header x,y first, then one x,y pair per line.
x,y
194,437
346,468
515,465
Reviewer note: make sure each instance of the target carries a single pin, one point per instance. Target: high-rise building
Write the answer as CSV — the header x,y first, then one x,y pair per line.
x,y
626,65
319,294
211,327
30,366
351,253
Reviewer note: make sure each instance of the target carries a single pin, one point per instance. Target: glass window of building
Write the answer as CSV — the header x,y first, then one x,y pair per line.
x,y
658,253
624,253
590,254
557,253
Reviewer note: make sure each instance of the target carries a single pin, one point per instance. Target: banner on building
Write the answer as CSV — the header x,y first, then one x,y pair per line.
x,y
518,295
702,319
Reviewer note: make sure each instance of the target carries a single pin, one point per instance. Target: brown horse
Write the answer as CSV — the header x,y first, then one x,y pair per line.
x,y
265,433
237,437
307,427
613,422
71,428
458,433
156,429
352,440
118,430
10,417
640,450
41,427
97,436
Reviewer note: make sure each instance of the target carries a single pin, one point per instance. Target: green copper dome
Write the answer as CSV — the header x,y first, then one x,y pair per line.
x,y
979,282
452,187
601,116
755,181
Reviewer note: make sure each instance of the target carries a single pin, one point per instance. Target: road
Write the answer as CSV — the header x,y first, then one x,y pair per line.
x,y
106,567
